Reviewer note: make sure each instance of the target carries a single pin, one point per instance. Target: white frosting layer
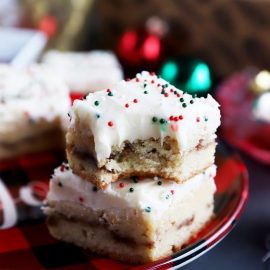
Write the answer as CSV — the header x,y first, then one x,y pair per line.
x,y
146,194
262,107
127,111
28,95
85,72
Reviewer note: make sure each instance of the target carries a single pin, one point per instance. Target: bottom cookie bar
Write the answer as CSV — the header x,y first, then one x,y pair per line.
x,y
135,221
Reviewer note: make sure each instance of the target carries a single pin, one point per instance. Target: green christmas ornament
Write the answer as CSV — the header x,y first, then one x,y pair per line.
x,y
191,75
200,80
169,71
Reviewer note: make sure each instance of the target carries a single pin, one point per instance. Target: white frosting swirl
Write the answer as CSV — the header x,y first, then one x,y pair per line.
x,y
126,111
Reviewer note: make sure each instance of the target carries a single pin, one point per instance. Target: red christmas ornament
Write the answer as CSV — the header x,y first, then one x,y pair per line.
x,y
138,47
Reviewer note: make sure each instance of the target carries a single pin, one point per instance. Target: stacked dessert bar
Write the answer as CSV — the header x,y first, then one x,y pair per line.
x,y
140,178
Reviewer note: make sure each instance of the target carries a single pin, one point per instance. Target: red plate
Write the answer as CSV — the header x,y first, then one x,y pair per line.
x,y
28,245
239,127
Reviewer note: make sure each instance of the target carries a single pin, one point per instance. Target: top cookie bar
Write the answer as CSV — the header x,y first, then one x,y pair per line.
x,y
143,127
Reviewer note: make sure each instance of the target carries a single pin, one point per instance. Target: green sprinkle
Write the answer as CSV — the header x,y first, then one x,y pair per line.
x,y
145,92
60,184
191,102
162,92
144,85
175,92
96,103
97,115
94,188
110,94
205,119
154,119
131,189
135,179
166,85
184,105
147,209
159,183
181,99
167,197
162,121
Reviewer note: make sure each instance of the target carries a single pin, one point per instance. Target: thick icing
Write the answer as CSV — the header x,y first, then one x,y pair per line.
x,y
28,95
66,186
85,72
262,107
126,111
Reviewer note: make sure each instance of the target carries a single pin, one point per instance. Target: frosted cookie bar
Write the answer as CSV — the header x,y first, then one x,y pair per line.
x,y
85,71
133,220
142,127
33,110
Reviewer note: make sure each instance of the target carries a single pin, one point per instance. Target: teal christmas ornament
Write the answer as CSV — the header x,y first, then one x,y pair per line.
x,y
191,75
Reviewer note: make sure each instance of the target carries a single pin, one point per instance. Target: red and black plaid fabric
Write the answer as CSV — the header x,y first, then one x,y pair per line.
x,y
28,245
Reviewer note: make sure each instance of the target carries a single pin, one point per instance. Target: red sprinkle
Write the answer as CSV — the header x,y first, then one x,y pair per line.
x,y
110,123
152,81
128,79
171,118
108,90
135,100
180,117
121,185
174,127
158,84
171,91
166,94
175,118
137,79
198,119
62,167
126,105
172,191
81,199
178,95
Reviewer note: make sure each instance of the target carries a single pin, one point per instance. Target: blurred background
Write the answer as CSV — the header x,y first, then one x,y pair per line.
x,y
229,35
217,46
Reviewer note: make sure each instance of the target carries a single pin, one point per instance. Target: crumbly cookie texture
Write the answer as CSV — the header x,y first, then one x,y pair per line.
x,y
261,108
142,121
134,220
145,159
85,71
33,103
